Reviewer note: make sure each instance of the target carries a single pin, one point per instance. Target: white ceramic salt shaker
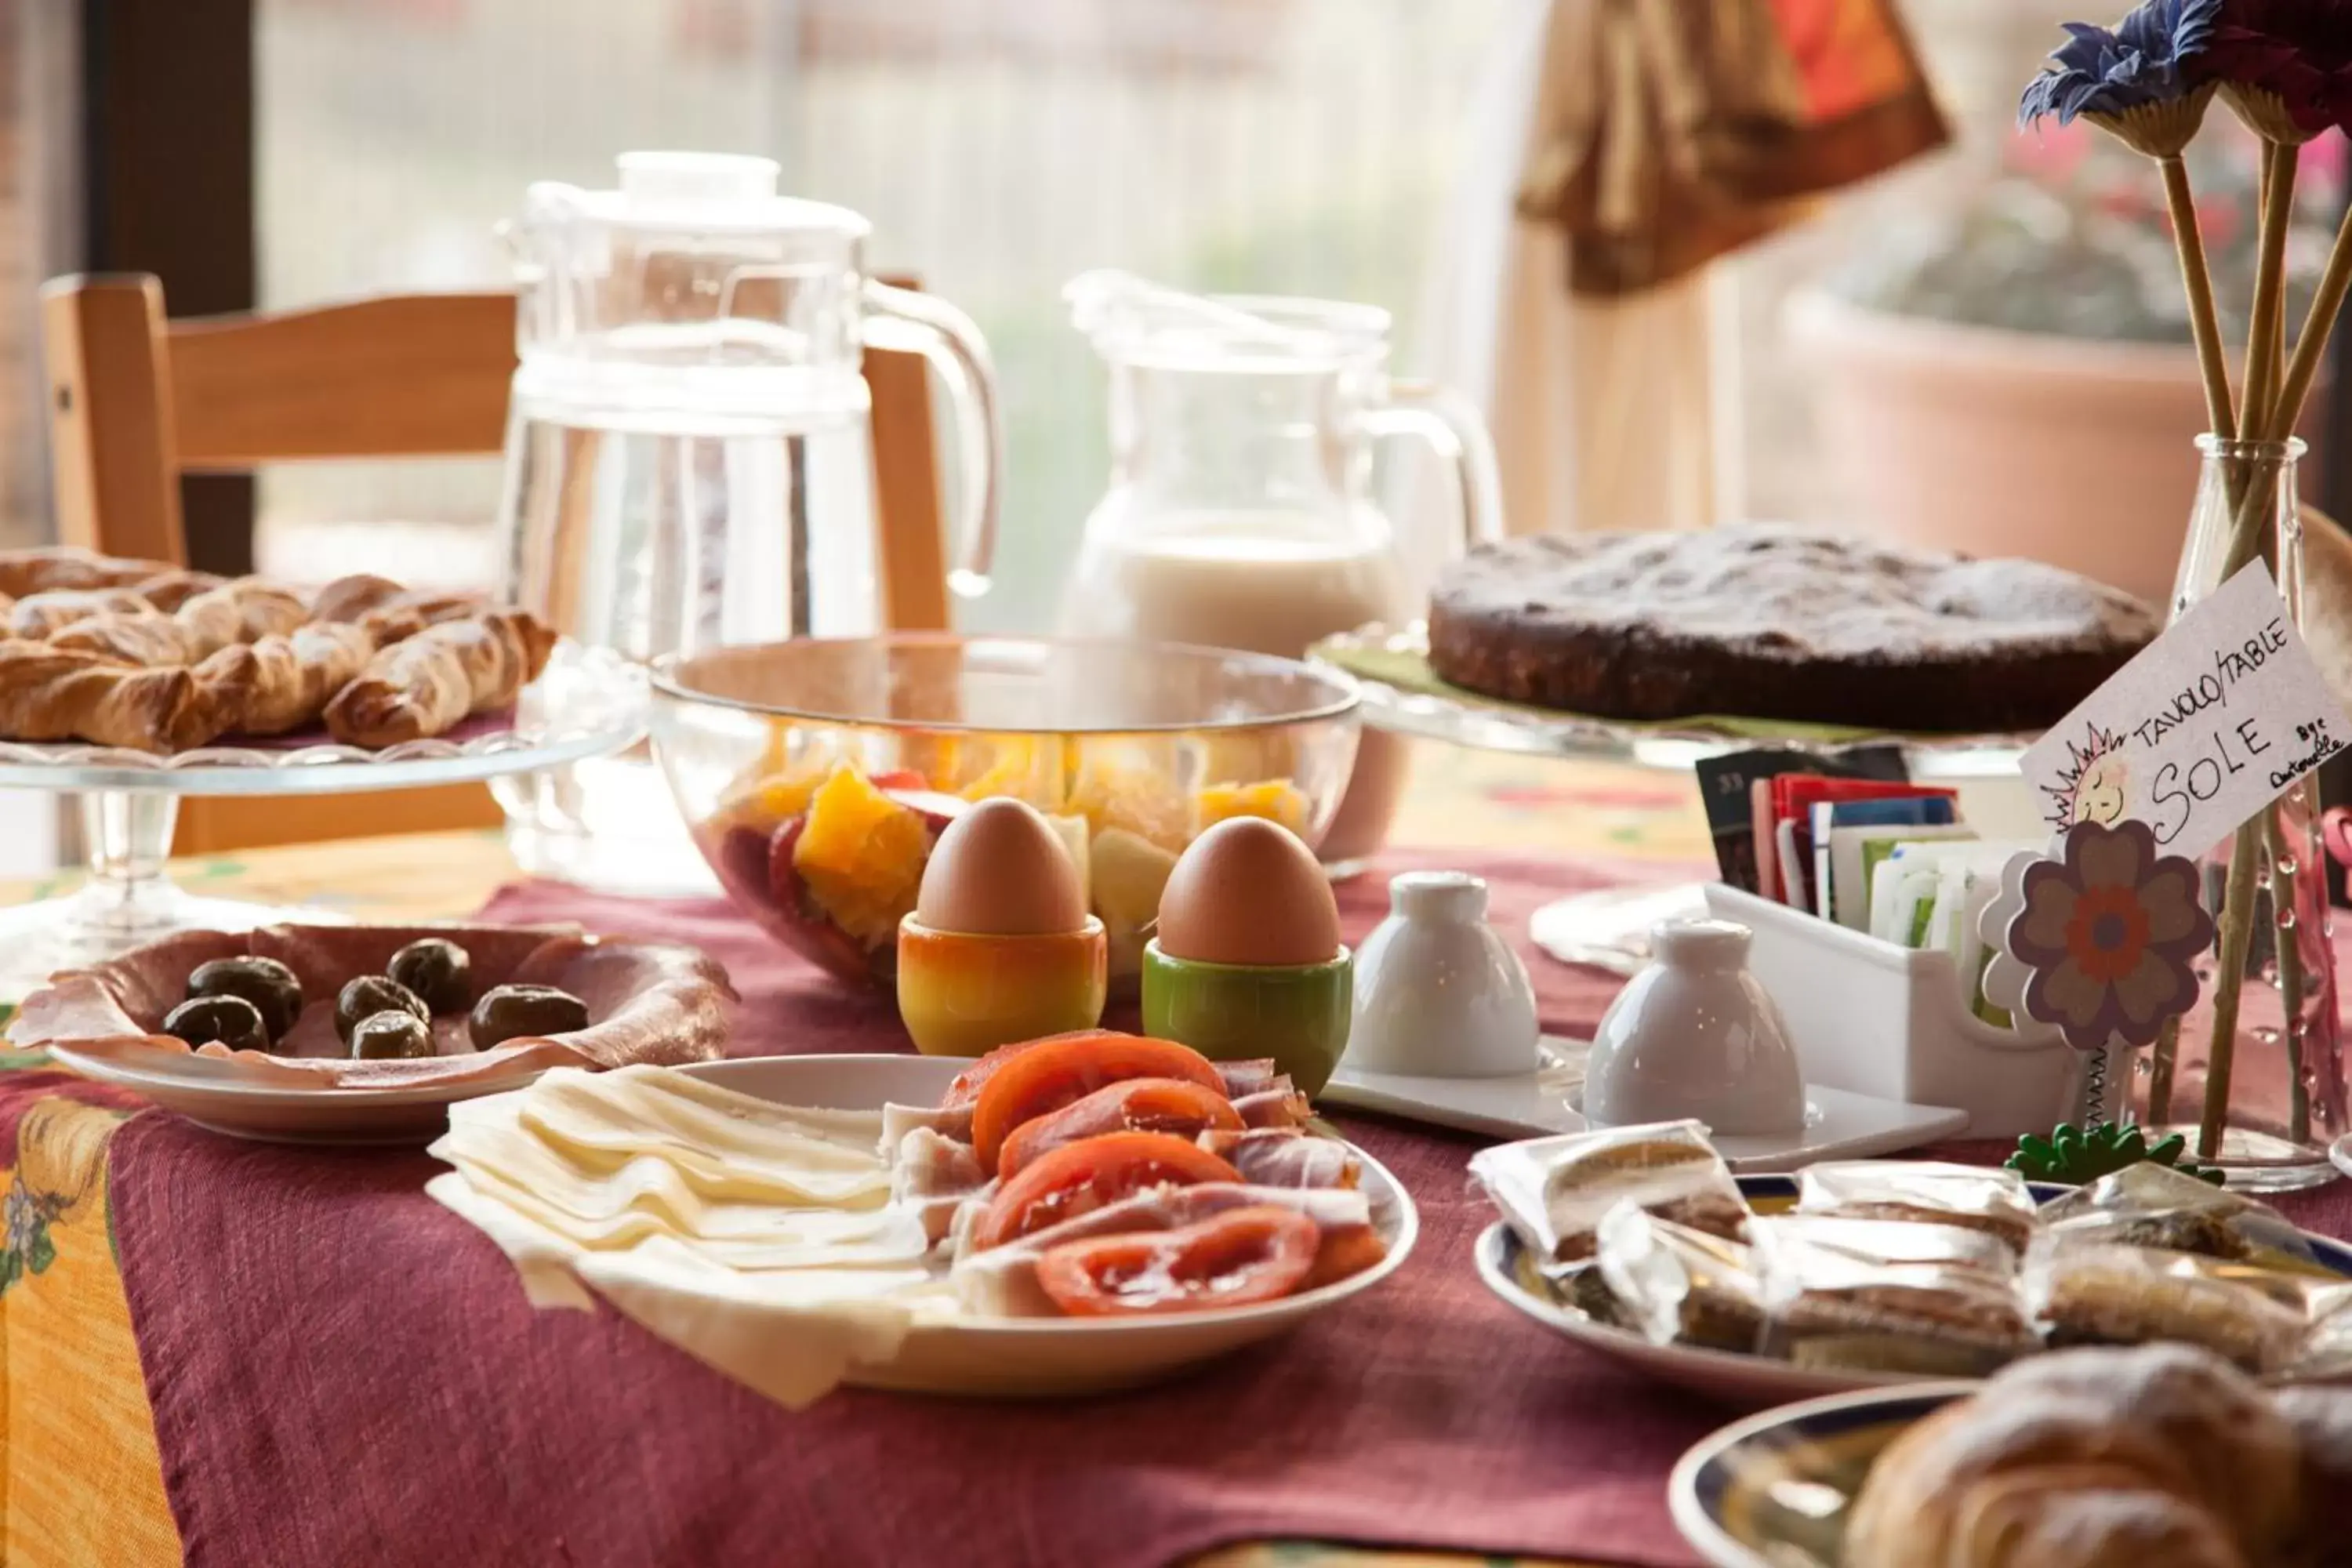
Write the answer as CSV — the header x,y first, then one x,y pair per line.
x,y
1695,1034
1439,994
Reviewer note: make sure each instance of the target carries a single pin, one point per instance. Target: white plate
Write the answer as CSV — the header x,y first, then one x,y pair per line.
x,y
1725,1376
1773,1492
272,1114
1839,1125
2339,1155
1035,1357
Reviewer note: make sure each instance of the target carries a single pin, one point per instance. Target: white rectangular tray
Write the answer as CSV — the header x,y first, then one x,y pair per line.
x,y
1839,1124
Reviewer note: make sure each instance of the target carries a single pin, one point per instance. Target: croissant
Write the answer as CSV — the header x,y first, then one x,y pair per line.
x,y
350,598
24,572
202,624
429,683
45,613
152,641
57,694
2087,1458
409,613
281,682
167,591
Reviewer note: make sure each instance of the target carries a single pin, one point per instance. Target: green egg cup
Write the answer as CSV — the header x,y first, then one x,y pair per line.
x,y
1233,1012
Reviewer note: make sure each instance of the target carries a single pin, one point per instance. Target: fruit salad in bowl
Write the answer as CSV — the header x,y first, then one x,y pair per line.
x,y
816,774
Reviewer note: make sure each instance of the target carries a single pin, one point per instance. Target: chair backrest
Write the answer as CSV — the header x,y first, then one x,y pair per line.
x,y
138,399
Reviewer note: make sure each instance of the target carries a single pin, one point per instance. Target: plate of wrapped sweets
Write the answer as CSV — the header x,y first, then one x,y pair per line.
x,y
2085,1459
1069,1214
1638,1242
122,670
358,1034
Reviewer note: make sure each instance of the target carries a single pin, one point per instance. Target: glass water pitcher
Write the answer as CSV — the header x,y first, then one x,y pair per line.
x,y
1239,513
688,461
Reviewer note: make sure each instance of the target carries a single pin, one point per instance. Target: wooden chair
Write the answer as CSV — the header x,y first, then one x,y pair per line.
x,y
136,400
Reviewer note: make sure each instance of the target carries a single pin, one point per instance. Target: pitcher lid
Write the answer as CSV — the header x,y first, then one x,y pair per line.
x,y
729,192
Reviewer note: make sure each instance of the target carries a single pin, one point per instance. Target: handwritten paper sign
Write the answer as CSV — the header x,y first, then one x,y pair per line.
x,y
2208,725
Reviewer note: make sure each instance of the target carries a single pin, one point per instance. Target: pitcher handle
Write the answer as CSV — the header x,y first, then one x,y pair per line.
x,y
913,321
1451,424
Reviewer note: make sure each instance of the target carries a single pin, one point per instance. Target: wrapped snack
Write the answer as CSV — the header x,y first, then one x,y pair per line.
x,y
2156,1205
2104,1294
1973,1198
1554,1191
1678,1286
1862,1295
2324,1353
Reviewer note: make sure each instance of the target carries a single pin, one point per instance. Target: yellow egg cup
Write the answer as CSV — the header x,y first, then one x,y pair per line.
x,y
963,995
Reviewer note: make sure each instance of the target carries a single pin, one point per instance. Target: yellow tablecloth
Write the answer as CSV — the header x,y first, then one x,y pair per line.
x,y
81,1481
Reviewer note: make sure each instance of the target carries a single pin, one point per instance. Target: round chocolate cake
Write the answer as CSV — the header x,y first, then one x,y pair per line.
x,y
1770,622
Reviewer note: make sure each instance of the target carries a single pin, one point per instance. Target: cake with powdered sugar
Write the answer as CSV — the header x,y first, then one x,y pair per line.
x,y
1767,621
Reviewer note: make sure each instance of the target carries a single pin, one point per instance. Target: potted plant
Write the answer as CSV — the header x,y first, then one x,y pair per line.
x,y
2015,376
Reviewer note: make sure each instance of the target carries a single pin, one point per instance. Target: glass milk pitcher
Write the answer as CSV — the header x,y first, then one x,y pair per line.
x,y
688,453
1239,513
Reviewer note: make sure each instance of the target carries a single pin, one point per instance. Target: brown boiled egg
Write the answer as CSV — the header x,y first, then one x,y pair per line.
x,y
1000,869
1247,891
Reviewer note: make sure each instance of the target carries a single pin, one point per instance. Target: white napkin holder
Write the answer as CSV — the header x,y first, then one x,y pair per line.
x,y
1872,1018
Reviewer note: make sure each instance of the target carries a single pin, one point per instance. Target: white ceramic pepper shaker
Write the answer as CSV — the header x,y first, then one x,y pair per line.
x,y
1439,993
1695,1034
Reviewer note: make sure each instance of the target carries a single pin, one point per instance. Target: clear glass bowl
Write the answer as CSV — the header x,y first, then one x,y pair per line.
x,y
815,775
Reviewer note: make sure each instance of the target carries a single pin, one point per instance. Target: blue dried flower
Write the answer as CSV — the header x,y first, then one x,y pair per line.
x,y
2100,72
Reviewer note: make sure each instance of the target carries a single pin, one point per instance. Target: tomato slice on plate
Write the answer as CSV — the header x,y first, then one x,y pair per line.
x,y
1051,1074
1132,1105
1078,1178
967,1083
1345,1251
1237,1259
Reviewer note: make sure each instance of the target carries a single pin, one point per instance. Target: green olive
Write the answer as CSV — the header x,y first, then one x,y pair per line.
x,y
231,1020
509,1011
268,984
395,1032
437,971
369,994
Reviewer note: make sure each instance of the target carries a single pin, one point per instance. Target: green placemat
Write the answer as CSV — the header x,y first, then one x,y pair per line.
x,y
1409,671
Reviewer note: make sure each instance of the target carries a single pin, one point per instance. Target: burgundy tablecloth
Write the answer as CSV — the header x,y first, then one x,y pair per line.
x,y
342,1372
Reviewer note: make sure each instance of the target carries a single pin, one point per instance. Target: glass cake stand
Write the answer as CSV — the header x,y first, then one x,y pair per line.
x,y
587,703
1610,928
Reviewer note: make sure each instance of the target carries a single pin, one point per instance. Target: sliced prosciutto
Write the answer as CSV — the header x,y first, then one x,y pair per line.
x,y
1284,1157
1134,1105
1002,1281
1092,1175
1278,1105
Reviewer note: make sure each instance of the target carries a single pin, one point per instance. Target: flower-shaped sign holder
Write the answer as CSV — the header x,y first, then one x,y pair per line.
x,y
2097,938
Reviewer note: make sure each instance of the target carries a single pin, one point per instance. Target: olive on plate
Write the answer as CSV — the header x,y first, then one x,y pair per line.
x,y
231,1020
365,996
438,971
268,984
395,1032
509,1011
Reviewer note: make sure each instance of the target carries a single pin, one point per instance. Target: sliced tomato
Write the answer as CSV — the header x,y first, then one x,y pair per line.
x,y
1132,1105
1346,1250
1240,1257
967,1083
1053,1073
1078,1178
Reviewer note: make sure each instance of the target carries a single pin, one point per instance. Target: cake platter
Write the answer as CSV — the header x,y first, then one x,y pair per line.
x,y
586,704
1610,928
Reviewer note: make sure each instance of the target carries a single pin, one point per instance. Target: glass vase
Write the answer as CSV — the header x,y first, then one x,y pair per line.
x,y
2253,1077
